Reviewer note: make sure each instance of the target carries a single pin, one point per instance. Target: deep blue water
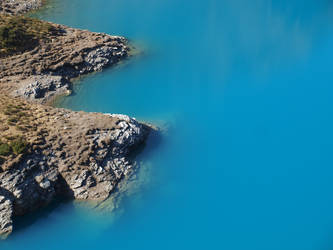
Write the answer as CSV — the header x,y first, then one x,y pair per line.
x,y
245,88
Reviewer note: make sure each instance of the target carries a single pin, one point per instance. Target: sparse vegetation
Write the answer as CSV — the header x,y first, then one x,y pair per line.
x,y
19,33
18,146
16,114
15,120
4,149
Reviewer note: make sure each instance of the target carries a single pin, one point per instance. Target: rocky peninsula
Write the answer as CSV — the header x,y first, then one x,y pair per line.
x,y
47,152
38,59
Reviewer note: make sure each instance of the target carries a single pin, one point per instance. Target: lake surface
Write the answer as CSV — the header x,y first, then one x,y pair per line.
x,y
245,90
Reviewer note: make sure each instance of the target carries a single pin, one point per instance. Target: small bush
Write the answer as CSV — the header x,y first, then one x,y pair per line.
x,y
4,149
19,146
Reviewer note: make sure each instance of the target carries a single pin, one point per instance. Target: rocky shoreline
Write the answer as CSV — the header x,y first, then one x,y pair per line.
x,y
45,71
46,152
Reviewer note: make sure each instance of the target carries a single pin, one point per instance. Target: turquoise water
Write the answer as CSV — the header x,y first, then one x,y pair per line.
x,y
245,89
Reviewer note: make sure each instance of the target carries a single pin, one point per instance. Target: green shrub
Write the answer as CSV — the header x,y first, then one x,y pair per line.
x,y
4,149
18,146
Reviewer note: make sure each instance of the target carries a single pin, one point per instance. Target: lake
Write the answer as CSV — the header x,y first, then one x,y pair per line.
x,y
244,93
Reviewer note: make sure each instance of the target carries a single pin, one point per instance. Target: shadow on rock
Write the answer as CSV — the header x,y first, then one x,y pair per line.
x,y
64,195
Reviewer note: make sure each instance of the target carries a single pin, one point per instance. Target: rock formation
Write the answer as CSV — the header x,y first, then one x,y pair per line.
x,y
43,71
68,154
14,7
47,152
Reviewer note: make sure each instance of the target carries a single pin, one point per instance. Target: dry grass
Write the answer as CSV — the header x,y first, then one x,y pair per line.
x,y
19,33
16,128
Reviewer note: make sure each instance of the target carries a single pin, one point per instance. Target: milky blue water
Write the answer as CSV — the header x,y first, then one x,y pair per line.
x,y
245,89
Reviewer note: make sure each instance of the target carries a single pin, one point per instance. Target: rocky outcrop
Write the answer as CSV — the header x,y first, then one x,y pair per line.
x,y
47,152
14,7
75,154
42,87
6,216
72,154
44,72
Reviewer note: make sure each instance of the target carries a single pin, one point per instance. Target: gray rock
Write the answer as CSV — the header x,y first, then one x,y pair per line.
x,y
6,216
42,87
31,187
99,58
19,6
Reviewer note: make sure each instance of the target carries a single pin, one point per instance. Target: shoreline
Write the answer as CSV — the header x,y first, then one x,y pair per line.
x,y
48,152
59,97
49,68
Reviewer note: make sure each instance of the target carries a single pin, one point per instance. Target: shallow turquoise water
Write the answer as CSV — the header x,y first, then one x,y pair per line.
x,y
245,88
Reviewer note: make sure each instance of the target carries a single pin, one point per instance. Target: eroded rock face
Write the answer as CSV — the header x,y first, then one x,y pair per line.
x,y
41,87
6,216
100,174
84,156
